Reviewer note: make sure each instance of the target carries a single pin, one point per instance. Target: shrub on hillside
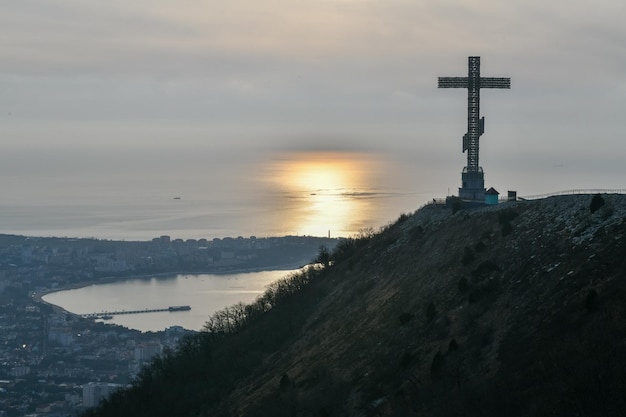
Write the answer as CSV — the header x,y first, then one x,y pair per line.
x,y
406,359
323,256
431,311
453,345
463,284
436,365
596,202
591,300
484,293
468,256
485,269
403,217
506,230
504,218
507,216
416,232
405,318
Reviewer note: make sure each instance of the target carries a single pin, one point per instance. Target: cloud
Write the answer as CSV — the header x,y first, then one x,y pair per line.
x,y
198,39
237,81
318,67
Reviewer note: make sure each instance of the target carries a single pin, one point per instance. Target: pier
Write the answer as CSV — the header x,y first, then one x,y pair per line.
x,y
109,314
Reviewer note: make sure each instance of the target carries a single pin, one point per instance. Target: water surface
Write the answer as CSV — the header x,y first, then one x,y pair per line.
x,y
205,294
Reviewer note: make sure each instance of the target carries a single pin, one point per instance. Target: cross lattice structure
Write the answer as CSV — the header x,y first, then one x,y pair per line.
x,y
473,177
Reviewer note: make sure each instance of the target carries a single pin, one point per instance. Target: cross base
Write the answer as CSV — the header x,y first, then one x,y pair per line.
x,y
473,188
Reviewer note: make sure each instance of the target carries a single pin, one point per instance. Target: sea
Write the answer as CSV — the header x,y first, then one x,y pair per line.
x,y
204,293
190,190
126,194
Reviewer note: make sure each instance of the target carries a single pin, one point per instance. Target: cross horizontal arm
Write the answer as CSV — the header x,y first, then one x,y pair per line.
x,y
453,82
492,82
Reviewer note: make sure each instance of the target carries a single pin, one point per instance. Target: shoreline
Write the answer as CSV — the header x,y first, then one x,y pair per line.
x,y
37,296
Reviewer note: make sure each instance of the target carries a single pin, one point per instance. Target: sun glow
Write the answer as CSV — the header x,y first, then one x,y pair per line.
x,y
320,175
323,192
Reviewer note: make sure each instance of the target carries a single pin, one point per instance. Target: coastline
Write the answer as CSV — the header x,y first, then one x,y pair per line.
x,y
37,296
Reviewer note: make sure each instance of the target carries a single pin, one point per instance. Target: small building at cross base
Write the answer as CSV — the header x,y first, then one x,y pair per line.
x,y
491,196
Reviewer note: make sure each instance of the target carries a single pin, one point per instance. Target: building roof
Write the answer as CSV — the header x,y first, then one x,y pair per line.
x,y
492,191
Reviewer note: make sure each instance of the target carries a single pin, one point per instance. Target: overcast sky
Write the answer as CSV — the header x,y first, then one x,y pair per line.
x,y
326,74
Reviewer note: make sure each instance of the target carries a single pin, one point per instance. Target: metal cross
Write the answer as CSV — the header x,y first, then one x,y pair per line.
x,y
475,124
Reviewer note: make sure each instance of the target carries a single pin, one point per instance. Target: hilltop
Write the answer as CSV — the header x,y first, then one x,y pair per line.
x,y
510,310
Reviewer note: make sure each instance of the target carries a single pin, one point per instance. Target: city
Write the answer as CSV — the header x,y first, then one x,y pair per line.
x,y
54,363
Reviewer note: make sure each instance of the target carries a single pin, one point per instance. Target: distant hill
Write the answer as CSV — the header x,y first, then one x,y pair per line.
x,y
512,310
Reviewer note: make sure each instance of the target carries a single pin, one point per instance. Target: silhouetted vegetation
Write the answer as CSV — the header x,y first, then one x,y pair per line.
x,y
206,366
485,291
452,346
596,203
403,217
591,300
405,318
468,255
431,311
323,256
416,232
505,218
485,269
436,365
388,325
406,359
462,284
480,247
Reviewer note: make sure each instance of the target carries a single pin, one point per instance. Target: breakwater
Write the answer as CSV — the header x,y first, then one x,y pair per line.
x,y
110,314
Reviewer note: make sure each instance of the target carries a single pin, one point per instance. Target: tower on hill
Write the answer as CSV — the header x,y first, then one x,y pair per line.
x,y
473,177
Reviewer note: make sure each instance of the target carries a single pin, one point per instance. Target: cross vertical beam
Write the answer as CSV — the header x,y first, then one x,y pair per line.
x,y
473,113
475,124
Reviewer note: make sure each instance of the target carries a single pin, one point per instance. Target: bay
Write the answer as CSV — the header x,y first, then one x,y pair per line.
x,y
204,293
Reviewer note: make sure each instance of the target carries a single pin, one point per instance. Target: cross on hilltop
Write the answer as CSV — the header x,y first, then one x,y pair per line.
x,y
473,178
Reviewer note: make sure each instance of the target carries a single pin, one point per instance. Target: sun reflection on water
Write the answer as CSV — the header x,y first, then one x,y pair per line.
x,y
317,193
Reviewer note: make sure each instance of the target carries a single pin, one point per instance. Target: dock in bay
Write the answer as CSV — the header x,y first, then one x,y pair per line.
x,y
110,314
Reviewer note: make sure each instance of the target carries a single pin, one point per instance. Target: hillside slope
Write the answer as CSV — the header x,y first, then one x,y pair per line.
x,y
513,310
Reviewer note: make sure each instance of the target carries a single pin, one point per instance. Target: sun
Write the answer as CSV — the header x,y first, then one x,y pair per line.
x,y
318,192
319,175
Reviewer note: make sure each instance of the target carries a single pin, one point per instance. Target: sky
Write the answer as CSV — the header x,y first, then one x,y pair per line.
x,y
255,77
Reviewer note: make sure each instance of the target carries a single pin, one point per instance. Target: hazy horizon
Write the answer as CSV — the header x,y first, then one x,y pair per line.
x,y
113,105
